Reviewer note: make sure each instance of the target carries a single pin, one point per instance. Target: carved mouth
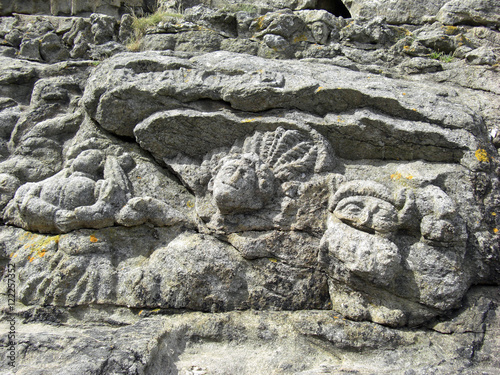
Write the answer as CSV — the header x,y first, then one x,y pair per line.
x,y
360,227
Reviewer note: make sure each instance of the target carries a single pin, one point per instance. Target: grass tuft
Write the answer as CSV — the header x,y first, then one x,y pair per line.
x,y
441,56
142,24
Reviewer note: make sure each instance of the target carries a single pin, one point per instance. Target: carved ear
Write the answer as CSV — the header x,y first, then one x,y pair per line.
x,y
406,198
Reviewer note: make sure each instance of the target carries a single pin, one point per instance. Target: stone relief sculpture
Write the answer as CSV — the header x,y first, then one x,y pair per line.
x,y
255,174
242,183
92,191
408,244
85,194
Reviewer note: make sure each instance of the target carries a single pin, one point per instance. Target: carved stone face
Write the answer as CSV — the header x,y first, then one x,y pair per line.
x,y
242,183
89,161
410,243
369,214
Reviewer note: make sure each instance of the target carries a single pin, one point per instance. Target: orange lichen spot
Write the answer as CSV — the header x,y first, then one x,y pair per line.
x,y
139,177
495,230
300,38
396,176
406,48
31,259
335,317
450,30
404,93
260,22
140,312
274,260
319,89
409,177
414,109
190,204
93,238
482,155
42,254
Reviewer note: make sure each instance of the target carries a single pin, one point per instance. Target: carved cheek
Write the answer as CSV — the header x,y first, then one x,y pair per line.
x,y
436,229
384,218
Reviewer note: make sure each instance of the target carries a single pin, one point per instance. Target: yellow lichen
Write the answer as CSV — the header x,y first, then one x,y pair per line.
x,y
38,248
319,89
260,22
495,230
190,204
248,120
450,30
93,238
300,38
274,260
396,176
482,155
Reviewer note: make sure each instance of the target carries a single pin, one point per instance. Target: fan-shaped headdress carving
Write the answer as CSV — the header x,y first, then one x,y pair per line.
x,y
288,153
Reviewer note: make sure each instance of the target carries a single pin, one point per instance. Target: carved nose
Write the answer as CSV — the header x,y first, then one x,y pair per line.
x,y
364,217
235,177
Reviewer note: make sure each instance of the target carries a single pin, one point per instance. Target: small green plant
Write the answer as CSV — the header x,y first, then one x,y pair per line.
x,y
441,56
142,24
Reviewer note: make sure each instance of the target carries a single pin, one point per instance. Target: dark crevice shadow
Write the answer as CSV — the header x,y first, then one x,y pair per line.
x,y
335,7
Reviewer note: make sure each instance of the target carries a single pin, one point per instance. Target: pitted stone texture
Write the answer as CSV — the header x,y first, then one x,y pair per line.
x,y
470,12
252,342
395,11
66,7
174,269
253,84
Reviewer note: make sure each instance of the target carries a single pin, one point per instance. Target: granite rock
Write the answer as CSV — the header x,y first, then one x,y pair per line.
x,y
263,188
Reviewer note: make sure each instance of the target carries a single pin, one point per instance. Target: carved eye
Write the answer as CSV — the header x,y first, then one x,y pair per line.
x,y
349,208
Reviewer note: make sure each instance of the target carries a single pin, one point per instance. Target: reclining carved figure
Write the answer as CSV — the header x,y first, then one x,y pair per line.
x,y
87,194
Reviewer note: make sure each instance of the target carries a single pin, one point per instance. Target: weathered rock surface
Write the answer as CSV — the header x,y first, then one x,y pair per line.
x,y
260,188
68,7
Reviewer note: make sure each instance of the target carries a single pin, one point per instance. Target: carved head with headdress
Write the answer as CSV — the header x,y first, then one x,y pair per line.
x,y
247,178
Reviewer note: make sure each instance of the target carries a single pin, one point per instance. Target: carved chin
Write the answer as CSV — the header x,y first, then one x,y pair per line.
x,y
232,200
369,256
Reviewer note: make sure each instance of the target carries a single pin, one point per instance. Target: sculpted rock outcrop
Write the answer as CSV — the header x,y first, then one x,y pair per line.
x,y
266,192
